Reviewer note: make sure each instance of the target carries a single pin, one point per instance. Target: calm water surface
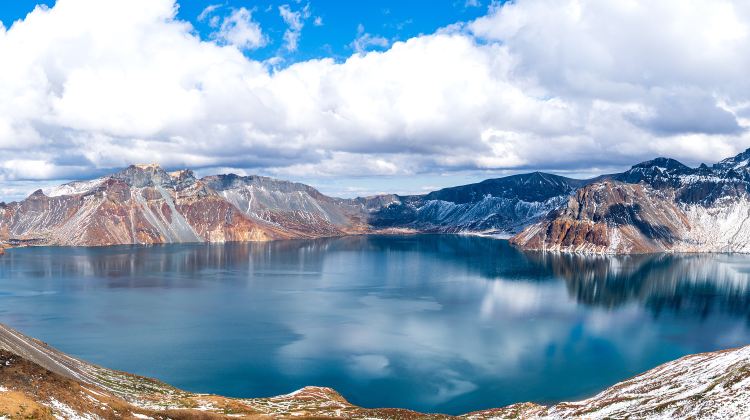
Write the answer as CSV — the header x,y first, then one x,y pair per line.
x,y
433,323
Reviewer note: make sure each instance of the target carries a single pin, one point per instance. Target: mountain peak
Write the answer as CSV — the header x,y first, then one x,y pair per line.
x,y
664,163
738,161
659,172
150,166
144,175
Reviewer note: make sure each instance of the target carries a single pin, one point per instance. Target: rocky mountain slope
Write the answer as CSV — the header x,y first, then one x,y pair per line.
x,y
659,205
37,381
495,206
656,206
144,204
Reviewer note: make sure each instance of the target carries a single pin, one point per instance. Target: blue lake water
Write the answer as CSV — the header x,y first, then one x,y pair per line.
x,y
435,323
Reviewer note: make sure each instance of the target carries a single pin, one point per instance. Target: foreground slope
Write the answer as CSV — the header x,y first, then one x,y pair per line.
x,y
37,381
656,206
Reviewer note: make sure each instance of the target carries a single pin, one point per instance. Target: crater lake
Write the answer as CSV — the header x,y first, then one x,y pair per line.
x,y
435,323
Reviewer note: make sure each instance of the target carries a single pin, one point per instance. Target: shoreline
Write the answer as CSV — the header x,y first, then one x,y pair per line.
x,y
398,232
36,376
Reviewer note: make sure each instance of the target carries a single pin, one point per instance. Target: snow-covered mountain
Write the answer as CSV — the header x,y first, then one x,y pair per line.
x,y
659,205
496,206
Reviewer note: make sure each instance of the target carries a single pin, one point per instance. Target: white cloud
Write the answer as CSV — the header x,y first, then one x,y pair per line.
x,y
295,21
207,11
94,84
239,29
318,21
365,40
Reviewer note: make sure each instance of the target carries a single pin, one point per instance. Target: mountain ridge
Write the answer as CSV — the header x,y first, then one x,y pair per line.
x,y
659,205
144,204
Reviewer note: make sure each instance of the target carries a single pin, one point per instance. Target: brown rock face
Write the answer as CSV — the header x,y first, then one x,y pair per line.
x,y
610,217
145,205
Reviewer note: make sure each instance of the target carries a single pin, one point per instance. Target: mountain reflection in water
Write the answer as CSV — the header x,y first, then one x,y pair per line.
x,y
443,323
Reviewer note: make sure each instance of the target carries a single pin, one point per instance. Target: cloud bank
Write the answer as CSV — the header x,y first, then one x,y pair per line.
x,y
571,85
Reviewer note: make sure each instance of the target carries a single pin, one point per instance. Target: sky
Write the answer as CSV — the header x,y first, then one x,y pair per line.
x,y
358,98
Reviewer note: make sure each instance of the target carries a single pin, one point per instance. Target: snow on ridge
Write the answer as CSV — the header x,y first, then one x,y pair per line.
x,y
73,188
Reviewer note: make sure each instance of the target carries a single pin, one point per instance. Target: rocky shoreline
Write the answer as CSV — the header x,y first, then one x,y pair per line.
x,y
37,381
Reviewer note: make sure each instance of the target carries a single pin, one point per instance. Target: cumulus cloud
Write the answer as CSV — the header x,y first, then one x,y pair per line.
x,y
239,29
89,85
295,21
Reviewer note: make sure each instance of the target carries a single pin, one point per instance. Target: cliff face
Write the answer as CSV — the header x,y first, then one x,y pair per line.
x,y
656,206
610,217
37,381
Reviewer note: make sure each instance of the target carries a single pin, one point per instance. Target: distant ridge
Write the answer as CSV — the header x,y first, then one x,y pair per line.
x,y
660,205
144,204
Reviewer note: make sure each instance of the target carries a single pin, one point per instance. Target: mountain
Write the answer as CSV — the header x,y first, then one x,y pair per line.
x,y
659,205
40,382
144,204
495,206
299,209
656,206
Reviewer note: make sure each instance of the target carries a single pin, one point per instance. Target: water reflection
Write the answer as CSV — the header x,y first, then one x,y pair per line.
x,y
431,322
694,284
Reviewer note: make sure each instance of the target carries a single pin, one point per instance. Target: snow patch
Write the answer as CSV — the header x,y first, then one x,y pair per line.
x,y
63,411
73,188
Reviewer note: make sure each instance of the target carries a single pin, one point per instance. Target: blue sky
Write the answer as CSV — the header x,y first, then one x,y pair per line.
x,y
364,97
337,28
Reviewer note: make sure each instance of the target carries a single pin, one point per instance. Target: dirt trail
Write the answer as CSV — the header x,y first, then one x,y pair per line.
x,y
40,353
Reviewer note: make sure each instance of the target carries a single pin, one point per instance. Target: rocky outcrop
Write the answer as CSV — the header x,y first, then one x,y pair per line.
x,y
610,217
656,206
37,381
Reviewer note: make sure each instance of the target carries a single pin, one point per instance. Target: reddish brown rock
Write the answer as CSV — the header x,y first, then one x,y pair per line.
x,y
145,205
610,217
